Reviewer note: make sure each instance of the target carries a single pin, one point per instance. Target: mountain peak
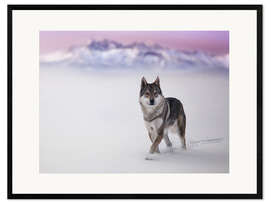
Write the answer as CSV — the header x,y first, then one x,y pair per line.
x,y
110,53
104,45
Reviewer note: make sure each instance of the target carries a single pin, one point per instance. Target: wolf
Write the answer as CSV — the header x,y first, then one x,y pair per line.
x,y
161,115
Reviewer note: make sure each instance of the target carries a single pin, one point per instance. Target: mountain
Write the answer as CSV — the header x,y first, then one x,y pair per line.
x,y
112,54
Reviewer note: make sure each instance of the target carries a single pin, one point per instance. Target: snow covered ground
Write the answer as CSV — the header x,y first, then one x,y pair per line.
x,y
91,122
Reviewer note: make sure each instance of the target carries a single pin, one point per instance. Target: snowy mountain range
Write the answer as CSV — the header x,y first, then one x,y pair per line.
x,y
112,54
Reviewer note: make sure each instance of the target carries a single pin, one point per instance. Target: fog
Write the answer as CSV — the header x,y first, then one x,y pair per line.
x,y
91,122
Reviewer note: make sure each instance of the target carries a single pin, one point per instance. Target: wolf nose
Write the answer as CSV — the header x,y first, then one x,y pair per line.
x,y
151,101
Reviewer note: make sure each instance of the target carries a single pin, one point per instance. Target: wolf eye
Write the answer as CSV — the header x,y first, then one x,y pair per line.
x,y
156,94
147,94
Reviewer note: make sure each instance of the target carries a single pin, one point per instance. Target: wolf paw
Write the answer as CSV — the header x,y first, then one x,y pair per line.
x,y
170,149
150,156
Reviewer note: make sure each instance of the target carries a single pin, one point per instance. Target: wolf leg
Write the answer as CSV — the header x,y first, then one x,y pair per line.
x,y
152,138
155,144
167,140
183,140
156,141
182,130
153,148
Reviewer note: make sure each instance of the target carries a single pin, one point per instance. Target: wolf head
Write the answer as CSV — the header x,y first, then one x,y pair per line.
x,y
150,93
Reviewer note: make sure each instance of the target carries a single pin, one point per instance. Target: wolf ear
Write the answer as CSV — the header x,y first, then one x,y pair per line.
x,y
157,81
143,83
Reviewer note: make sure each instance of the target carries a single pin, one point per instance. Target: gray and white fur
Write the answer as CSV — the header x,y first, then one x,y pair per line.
x,y
161,115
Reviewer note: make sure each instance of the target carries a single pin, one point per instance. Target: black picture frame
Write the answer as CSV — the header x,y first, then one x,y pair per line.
x,y
257,8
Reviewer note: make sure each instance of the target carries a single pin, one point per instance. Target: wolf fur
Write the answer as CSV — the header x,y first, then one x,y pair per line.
x,y
161,115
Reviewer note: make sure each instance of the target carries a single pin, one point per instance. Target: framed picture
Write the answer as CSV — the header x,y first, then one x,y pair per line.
x,y
135,101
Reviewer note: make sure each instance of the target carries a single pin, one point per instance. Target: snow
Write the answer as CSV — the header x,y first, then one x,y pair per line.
x,y
91,122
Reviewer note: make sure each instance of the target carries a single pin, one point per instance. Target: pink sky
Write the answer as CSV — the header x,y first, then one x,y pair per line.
x,y
214,42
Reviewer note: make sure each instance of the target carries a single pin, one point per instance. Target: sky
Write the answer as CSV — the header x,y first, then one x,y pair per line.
x,y
213,42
